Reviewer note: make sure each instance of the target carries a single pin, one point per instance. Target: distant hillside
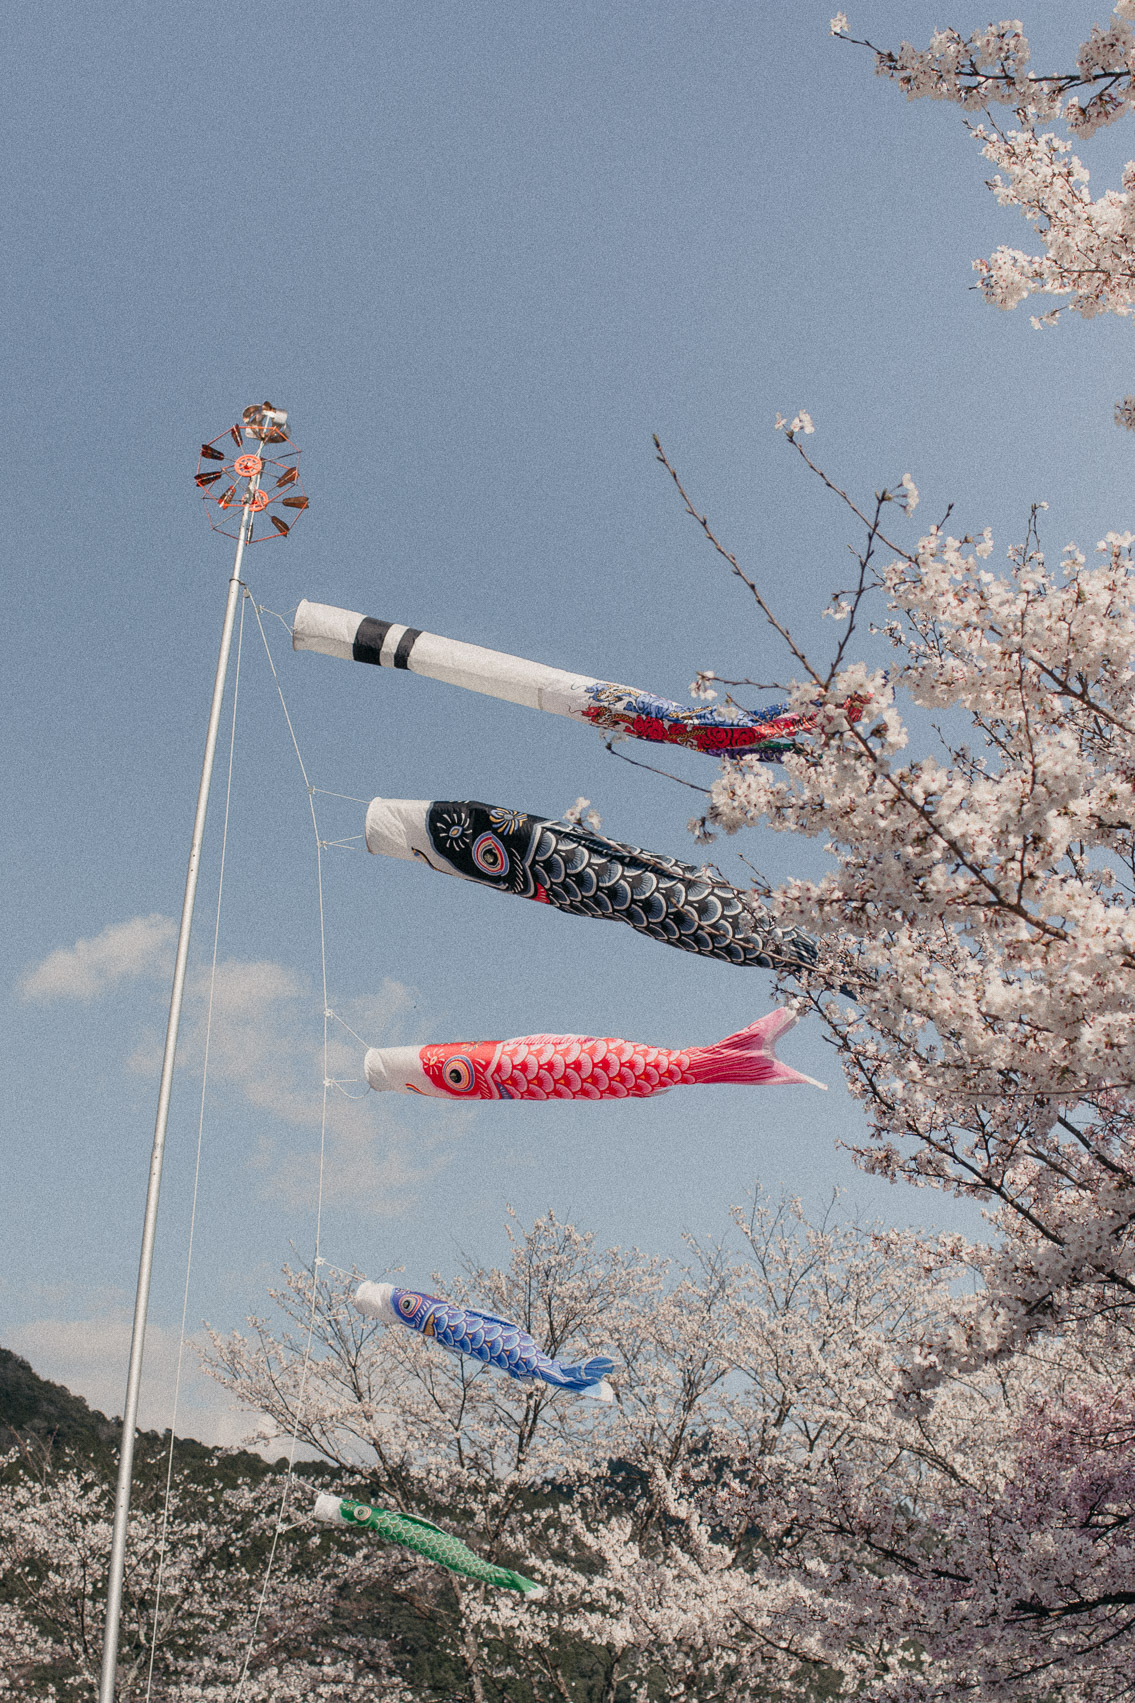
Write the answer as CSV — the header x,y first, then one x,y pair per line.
x,y
30,1404
32,1407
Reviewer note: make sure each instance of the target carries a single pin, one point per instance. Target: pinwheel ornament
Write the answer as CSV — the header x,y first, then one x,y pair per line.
x,y
251,481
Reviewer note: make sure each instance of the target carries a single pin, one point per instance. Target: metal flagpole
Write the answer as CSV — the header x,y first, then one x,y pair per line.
x,y
267,424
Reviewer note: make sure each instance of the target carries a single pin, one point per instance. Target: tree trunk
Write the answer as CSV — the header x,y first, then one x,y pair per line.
x,y
471,1653
611,1681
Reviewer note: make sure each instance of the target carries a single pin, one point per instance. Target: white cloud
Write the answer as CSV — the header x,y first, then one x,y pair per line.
x,y
143,946
372,1162
89,1357
266,1044
263,1016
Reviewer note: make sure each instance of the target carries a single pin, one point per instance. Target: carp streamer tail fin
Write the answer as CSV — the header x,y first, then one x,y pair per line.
x,y
527,1587
589,1379
748,1056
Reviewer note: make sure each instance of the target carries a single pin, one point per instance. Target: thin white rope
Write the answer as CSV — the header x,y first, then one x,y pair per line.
x,y
167,1500
284,622
350,1031
317,1259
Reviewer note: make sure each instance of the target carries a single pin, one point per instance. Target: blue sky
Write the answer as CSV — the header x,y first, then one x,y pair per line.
x,y
480,253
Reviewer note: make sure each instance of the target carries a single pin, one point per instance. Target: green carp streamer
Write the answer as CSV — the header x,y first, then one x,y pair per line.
x,y
429,1540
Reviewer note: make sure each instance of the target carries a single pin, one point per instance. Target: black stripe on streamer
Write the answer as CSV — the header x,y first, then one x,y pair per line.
x,y
405,645
369,639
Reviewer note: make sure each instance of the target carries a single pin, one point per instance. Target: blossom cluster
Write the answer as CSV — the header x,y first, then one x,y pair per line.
x,y
992,67
763,1502
1087,249
981,904
1088,254
194,1576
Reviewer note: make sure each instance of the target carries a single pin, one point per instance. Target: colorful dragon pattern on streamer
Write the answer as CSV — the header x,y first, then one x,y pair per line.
x,y
765,735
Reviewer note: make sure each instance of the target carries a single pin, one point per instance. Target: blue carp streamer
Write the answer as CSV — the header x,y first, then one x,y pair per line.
x,y
497,1342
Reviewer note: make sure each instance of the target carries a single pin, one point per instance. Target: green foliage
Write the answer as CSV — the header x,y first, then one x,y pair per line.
x,y
31,1407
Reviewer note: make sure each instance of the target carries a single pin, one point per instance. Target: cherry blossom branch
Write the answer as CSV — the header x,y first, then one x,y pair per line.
x,y
734,565
637,763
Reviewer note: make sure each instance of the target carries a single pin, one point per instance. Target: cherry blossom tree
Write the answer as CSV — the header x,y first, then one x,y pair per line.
x,y
1087,244
976,916
812,1480
978,908
677,1531
202,1617
26,1651
977,1548
763,1512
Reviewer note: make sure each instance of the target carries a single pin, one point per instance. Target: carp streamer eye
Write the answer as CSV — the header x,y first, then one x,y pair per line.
x,y
457,1074
489,855
408,1303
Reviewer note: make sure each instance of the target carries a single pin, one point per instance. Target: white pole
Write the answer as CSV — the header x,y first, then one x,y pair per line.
x,y
149,1224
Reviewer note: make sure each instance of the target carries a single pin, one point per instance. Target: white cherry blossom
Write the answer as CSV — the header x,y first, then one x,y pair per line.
x,y
1086,257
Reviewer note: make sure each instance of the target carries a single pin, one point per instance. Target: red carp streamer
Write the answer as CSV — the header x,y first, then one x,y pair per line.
x,y
580,1067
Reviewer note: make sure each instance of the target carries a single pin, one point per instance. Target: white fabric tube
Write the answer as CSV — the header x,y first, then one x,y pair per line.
x,y
373,1300
499,675
399,1070
396,827
331,631
329,1510
345,633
